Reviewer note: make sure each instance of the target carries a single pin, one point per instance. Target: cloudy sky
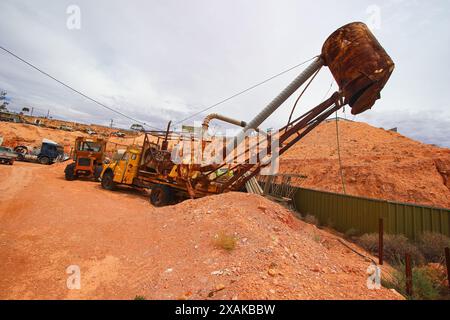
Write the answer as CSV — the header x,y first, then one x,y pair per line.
x,y
165,60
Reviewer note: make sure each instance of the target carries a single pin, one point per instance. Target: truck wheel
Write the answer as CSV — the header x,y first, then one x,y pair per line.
x,y
44,160
21,152
161,195
97,172
69,172
108,181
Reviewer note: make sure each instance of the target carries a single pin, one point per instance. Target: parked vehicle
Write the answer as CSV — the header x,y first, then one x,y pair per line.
x,y
138,128
118,134
88,156
66,128
47,154
7,156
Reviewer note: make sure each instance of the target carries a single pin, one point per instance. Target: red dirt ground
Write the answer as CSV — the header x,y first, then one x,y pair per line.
x,y
125,247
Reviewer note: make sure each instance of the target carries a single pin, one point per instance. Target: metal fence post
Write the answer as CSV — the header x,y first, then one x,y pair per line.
x,y
447,260
380,241
409,278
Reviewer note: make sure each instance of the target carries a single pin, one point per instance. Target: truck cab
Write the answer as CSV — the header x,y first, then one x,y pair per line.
x,y
48,153
123,169
88,156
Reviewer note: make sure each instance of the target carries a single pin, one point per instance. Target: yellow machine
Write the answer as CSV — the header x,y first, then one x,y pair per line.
x,y
122,169
88,156
150,167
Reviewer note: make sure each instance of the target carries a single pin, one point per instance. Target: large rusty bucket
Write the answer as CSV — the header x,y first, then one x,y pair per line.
x,y
359,64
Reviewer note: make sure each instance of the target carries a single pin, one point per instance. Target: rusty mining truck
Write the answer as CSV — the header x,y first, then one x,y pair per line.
x,y
88,156
358,63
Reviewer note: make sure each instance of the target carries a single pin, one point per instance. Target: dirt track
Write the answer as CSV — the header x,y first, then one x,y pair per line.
x,y
125,247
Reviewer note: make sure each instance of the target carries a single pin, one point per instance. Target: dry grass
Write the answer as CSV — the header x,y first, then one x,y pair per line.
x,y
311,220
225,241
351,233
395,248
433,245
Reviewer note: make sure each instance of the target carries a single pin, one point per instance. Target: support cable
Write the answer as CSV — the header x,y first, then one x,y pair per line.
x,y
339,154
244,91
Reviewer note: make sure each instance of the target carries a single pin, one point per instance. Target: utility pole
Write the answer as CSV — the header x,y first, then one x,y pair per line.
x,y
48,113
32,109
111,124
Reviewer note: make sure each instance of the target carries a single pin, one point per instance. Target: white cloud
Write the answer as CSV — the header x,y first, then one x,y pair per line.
x,y
160,61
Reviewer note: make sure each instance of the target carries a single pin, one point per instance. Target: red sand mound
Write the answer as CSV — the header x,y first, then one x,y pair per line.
x,y
376,164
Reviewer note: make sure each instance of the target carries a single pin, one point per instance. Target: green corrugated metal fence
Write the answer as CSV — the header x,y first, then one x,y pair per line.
x,y
362,214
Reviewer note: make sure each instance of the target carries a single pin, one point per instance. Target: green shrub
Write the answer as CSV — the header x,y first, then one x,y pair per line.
x,y
424,287
395,248
139,298
317,238
432,246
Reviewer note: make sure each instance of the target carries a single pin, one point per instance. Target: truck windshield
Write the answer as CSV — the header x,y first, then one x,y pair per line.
x,y
90,146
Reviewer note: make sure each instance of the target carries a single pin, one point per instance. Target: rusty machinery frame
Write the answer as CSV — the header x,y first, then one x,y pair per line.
x,y
361,68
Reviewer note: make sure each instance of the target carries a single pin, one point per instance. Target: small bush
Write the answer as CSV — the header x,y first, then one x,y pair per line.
x,y
225,242
350,233
425,286
395,248
432,246
317,238
312,220
139,298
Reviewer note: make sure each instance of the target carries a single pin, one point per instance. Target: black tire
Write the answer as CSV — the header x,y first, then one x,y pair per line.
x,y
44,160
69,172
97,172
108,181
21,152
161,195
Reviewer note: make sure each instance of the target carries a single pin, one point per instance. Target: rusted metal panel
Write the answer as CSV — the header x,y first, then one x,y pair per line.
x,y
359,64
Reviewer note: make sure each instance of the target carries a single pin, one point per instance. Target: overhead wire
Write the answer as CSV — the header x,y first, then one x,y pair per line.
x,y
134,119
244,91
301,95
75,90
341,170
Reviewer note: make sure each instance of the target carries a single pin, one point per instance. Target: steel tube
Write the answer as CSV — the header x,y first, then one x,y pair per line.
x,y
278,101
285,94
217,116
